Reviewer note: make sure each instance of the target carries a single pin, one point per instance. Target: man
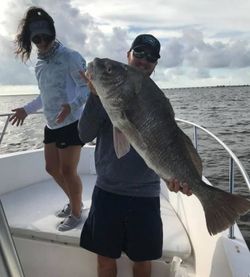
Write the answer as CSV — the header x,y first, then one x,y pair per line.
x,y
125,210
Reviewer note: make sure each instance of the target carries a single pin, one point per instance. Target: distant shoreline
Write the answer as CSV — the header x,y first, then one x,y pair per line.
x,y
173,88
19,94
9,90
218,86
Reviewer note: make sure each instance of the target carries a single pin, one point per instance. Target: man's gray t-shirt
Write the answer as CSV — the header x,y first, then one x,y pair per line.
x,y
128,175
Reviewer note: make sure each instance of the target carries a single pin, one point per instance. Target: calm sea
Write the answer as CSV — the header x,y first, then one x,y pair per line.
x,y
222,110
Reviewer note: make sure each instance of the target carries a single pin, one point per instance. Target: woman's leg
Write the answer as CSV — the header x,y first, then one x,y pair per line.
x,y
52,165
69,158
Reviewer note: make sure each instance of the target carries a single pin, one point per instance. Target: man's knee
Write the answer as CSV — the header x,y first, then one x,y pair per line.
x,y
106,266
142,269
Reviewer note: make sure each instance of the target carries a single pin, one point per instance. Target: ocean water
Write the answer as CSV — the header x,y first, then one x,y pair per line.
x,y
222,110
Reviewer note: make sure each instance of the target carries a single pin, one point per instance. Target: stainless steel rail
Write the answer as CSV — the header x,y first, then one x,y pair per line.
x,y
11,266
5,125
8,115
232,157
233,160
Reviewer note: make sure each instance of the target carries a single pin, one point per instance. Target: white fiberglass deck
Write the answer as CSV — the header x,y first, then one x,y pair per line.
x,y
31,214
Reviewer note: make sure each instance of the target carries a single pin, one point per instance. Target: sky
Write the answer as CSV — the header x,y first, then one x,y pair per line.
x,y
203,43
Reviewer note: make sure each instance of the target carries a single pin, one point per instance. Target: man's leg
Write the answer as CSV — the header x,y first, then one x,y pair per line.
x,y
106,267
69,159
142,269
52,165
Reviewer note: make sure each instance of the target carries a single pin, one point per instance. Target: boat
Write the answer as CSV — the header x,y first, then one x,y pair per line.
x,y
31,246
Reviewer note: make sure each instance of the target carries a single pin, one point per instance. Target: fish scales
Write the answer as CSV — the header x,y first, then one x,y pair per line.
x,y
153,117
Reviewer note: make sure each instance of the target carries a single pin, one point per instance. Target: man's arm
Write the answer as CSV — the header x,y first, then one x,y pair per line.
x,y
91,119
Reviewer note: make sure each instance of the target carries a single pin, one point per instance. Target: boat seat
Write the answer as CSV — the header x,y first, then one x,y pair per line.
x,y
31,211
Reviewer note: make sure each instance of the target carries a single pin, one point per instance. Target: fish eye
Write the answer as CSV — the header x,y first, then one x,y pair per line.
x,y
109,69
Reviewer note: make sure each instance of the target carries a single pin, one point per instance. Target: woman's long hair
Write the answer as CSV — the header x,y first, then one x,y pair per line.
x,y
22,41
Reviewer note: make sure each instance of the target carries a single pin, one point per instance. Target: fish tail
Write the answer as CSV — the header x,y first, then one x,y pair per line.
x,y
221,208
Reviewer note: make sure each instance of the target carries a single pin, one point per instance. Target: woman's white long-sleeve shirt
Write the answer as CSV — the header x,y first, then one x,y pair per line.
x,y
60,82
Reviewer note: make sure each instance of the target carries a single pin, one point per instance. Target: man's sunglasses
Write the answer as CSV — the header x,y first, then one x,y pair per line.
x,y
140,53
38,38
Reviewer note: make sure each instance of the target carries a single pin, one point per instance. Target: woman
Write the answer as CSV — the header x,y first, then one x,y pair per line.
x,y
62,95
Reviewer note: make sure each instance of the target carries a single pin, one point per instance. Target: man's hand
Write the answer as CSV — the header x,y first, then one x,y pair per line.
x,y
64,112
86,78
175,185
18,117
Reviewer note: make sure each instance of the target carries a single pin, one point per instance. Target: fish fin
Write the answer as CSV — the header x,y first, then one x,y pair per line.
x,y
121,144
192,152
221,208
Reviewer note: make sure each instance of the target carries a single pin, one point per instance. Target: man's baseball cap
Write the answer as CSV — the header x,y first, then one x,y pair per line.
x,y
147,41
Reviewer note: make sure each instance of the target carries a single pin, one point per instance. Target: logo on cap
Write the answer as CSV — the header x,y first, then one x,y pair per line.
x,y
147,40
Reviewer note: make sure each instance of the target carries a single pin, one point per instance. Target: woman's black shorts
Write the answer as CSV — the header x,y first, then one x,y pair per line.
x,y
64,136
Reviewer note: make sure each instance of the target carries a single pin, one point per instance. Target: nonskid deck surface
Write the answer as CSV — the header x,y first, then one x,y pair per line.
x,y
31,213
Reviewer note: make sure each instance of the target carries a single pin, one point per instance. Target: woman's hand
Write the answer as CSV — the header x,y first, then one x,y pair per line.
x,y
64,112
18,117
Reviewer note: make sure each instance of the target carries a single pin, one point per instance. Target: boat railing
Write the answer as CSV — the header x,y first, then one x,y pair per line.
x,y
233,160
8,115
9,259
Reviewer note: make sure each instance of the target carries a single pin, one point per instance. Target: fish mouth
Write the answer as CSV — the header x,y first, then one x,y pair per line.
x,y
92,68
89,72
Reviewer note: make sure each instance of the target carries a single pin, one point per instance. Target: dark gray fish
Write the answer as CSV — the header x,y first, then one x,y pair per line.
x,y
144,115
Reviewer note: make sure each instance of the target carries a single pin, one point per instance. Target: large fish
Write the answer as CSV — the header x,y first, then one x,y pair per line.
x,y
140,110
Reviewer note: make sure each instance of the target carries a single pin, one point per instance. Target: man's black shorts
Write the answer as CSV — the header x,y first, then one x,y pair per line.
x,y
119,223
64,136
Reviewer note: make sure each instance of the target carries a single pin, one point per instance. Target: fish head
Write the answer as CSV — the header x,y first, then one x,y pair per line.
x,y
115,83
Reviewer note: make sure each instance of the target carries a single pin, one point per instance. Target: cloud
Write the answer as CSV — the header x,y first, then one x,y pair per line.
x,y
75,30
192,50
197,42
12,71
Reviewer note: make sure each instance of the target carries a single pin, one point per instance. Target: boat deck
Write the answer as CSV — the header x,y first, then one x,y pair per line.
x,y
31,212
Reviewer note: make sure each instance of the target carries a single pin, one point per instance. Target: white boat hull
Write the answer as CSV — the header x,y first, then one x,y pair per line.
x,y
43,251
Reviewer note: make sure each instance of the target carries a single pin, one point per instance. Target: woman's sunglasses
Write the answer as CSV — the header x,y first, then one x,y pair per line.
x,y
38,38
140,53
